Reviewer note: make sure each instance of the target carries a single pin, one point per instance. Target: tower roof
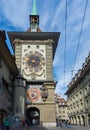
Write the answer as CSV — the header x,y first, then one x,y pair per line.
x,y
35,36
34,9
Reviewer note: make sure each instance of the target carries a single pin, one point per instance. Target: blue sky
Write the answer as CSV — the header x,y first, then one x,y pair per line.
x,y
14,16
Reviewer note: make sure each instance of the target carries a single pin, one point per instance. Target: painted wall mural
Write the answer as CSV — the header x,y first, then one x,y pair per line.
x,y
33,94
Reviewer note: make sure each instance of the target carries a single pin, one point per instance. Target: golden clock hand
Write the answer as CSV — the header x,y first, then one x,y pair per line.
x,y
33,61
38,62
26,59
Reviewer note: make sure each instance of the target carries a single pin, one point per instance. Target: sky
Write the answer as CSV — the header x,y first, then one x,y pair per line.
x,y
14,16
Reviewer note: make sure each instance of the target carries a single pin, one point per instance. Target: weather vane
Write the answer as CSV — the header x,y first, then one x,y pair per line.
x,y
34,9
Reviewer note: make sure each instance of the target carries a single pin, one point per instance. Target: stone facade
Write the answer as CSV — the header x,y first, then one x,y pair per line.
x,y
44,86
79,95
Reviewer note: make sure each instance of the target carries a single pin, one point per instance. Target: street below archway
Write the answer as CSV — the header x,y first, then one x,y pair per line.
x,y
73,127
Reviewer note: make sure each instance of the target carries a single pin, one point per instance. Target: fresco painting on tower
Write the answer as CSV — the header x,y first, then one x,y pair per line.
x,y
33,94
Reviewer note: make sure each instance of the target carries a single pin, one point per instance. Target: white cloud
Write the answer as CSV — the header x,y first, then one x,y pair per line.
x,y
44,20
17,12
58,17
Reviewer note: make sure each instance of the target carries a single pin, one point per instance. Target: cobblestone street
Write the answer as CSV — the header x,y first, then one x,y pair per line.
x,y
51,128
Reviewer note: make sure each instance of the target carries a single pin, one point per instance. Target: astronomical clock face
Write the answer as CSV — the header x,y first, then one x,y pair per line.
x,y
33,63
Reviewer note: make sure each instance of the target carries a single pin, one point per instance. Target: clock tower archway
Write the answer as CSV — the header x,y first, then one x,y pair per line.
x,y
33,113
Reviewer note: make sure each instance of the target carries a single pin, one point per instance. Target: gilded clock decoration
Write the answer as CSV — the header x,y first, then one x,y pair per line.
x,y
34,61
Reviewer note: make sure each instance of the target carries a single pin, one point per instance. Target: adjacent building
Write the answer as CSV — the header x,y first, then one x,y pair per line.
x,y
8,70
61,108
78,93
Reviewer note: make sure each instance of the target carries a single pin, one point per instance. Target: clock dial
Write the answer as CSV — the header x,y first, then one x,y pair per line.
x,y
34,61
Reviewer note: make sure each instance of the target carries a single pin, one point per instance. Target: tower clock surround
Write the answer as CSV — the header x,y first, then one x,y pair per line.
x,y
33,61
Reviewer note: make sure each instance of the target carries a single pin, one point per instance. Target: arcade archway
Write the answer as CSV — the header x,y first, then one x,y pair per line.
x,y
89,119
33,115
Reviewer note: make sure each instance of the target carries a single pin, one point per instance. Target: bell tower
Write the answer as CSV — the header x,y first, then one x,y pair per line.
x,y
34,52
34,18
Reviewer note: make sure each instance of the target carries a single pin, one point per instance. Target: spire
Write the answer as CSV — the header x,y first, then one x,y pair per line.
x,y
34,9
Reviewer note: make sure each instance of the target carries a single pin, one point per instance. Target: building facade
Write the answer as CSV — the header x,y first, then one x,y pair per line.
x,y
61,108
8,70
79,95
34,87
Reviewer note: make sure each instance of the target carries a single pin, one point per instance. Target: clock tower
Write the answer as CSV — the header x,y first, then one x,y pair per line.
x,y
34,52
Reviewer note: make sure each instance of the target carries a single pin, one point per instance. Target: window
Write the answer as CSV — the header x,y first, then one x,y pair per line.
x,y
0,62
37,46
0,85
28,46
64,116
17,110
86,103
85,90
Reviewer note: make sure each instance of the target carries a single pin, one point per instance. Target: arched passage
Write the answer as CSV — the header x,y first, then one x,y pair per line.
x,y
79,121
89,119
83,119
33,115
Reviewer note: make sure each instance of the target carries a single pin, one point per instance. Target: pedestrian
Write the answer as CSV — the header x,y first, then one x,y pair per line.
x,y
27,123
66,123
69,124
34,121
6,124
60,123
0,125
23,123
57,123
